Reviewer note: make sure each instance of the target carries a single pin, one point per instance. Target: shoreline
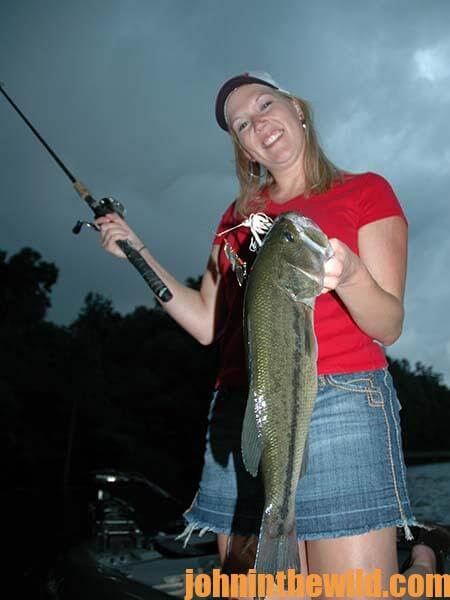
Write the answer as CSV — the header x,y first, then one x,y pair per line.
x,y
421,457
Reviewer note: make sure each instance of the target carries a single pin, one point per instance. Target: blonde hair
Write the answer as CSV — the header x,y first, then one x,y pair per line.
x,y
320,172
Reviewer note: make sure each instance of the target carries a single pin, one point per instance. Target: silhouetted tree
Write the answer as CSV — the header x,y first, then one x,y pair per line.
x,y
130,391
26,287
425,406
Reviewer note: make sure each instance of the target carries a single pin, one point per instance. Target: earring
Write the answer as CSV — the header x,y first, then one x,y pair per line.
x,y
251,174
300,116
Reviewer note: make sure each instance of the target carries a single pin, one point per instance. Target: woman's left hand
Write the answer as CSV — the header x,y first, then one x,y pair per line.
x,y
340,268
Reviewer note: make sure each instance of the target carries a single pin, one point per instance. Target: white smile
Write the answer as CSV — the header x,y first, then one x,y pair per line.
x,y
272,138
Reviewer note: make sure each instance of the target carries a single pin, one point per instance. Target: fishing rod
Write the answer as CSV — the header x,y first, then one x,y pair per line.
x,y
100,209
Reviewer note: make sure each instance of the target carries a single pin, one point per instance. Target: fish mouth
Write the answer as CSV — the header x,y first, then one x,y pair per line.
x,y
311,243
302,223
316,278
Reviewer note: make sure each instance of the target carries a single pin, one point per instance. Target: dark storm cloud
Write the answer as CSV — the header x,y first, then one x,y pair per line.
x,y
124,91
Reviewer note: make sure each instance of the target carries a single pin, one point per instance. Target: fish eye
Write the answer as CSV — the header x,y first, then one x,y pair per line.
x,y
288,236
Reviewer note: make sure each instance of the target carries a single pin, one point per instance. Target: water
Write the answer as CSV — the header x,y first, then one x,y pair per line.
x,y
429,491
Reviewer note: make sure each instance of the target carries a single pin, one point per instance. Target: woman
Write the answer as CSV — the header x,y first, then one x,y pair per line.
x,y
353,495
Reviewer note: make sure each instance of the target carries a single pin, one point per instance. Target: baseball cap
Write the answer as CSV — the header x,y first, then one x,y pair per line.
x,y
231,84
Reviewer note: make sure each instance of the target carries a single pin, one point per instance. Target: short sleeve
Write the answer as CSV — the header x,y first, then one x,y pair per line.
x,y
377,200
228,220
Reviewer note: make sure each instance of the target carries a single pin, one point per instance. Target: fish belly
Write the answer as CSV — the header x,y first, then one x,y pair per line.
x,y
284,373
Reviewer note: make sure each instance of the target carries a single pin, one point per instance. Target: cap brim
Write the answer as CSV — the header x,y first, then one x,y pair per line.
x,y
226,90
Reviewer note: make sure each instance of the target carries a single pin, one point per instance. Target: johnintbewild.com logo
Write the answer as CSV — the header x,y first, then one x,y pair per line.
x,y
353,583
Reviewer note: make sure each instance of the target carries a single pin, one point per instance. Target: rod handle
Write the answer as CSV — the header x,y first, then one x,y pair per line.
x,y
81,190
157,286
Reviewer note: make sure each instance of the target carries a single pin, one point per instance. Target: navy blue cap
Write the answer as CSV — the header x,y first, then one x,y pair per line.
x,y
235,82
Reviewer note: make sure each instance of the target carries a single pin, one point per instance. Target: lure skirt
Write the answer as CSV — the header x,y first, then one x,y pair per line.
x,y
355,479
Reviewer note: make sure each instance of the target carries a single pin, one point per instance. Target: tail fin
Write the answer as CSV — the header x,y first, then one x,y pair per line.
x,y
276,553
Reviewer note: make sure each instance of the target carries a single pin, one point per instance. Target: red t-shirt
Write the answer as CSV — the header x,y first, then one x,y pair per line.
x,y
343,346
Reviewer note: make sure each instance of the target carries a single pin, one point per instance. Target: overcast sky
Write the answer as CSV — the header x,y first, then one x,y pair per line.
x,y
124,91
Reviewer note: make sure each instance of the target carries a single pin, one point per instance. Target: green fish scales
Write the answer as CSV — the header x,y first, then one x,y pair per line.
x,y
286,277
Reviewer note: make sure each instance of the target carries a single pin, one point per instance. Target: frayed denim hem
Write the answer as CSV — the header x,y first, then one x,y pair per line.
x,y
204,527
400,523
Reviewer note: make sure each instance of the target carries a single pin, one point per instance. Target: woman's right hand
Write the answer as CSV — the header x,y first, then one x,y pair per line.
x,y
199,312
114,228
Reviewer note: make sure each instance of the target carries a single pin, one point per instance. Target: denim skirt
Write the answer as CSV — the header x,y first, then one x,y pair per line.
x,y
355,479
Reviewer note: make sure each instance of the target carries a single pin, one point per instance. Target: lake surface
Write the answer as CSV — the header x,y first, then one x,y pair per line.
x,y
429,491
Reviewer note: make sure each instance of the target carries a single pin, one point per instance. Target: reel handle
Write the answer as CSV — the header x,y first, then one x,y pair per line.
x,y
109,205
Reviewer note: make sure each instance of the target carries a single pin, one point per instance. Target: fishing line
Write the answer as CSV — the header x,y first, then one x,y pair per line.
x,y
100,209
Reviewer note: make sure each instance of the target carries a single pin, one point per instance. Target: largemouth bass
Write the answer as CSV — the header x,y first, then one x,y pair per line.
x,y
286,277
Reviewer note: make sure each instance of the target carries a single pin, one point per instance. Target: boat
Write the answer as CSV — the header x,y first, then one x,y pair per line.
x,y
120,561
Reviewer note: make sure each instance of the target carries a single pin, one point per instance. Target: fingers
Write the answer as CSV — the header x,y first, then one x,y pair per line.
x,y
325,290
114,228
109,218
110,233
335,266
333,273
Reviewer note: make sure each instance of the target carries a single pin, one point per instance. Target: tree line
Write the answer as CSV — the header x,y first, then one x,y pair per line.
x,y
129,391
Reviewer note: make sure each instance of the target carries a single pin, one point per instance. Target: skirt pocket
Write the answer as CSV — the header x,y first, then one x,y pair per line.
x,y
364,383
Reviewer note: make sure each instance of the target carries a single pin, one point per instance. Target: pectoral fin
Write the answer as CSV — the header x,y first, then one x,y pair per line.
x,y
251,444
